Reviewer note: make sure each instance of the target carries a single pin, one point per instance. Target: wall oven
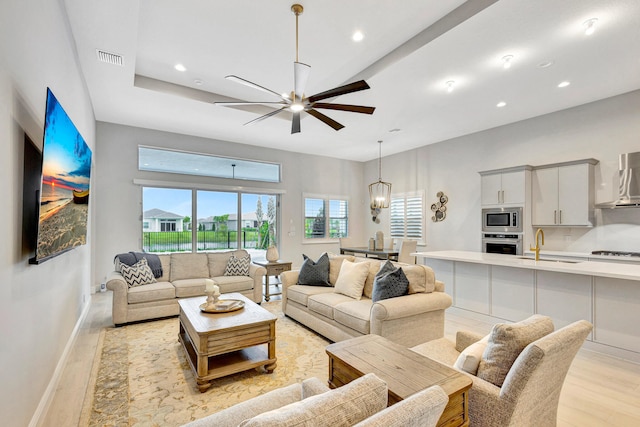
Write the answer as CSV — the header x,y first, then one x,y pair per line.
x,y
502,220
499,243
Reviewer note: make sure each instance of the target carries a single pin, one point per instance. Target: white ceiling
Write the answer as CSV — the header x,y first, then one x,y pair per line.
x,y
401,58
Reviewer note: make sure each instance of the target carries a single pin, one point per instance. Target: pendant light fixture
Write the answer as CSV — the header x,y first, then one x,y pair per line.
x,y
379,192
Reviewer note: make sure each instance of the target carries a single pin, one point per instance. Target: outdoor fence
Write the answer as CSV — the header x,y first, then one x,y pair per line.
x,y
181,241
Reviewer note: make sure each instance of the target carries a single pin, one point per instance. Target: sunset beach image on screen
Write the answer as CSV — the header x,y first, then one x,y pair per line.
x,y
64,193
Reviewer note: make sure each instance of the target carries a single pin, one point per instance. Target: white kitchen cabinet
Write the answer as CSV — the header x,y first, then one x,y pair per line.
x,y
566,298
505,186
563,194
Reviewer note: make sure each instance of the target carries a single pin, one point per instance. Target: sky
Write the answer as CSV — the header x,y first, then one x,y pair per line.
x,y
210,203
66,156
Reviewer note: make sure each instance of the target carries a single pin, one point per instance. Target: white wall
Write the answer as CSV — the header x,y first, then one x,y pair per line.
x,y
118,199
39,304
600,130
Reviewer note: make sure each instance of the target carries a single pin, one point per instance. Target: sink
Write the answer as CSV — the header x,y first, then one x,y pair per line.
x,y
566,261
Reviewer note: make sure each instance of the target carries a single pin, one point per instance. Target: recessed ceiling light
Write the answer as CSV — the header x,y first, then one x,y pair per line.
x,y
545,64
564,84
357,36
501,104
180,67
198,82
506,61
450,84
590,26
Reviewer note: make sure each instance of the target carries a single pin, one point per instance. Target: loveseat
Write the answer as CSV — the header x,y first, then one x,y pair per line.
x,y
409,319
362,402
183,275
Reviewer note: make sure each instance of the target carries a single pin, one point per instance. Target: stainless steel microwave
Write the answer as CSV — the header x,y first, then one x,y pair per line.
x,y
502,220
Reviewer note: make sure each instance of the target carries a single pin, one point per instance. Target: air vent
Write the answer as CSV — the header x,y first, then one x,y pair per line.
x,y
110,58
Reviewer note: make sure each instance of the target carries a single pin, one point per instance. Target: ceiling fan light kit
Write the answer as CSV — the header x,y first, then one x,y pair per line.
x,y
297,102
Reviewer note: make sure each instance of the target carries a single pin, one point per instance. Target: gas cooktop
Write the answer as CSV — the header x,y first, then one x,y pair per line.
x,y
616,253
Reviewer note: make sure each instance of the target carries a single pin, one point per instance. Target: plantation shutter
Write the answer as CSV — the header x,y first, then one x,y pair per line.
x,y
406,216
413,217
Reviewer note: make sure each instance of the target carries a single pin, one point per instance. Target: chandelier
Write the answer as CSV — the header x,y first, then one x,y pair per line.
x,y
380,191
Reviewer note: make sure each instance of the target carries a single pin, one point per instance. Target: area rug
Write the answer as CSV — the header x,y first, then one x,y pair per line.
x,y
142,377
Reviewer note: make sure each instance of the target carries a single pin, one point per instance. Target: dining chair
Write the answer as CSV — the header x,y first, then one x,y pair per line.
x,y
406,248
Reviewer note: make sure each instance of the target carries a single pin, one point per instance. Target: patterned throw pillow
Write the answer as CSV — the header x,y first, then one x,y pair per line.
x,y
314,273
138,274
390,282
238,266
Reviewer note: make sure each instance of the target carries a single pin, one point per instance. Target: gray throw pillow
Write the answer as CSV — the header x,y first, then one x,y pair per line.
x,y
390,282
314,273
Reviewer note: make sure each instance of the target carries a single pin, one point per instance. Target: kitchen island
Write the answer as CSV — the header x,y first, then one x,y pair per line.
x,y
496,288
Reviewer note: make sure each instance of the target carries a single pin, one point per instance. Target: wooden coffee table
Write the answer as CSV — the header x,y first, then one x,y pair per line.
x,y
404,371
220,344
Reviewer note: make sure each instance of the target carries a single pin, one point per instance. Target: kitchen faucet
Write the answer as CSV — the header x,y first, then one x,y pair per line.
x,y
536,249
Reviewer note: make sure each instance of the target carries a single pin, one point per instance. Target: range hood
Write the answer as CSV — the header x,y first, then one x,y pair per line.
x,y
629,189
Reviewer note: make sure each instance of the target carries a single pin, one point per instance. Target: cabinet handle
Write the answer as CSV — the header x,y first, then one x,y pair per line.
x,y
554,217
502,192
560,216
498,196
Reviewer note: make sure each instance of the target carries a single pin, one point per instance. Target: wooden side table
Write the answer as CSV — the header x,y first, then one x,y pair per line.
x,y
273,269
404,371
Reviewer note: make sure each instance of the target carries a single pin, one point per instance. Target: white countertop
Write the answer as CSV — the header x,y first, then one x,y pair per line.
x,y
614,270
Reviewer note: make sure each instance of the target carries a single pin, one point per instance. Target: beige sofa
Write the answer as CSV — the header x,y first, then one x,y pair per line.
x,y
362,402
408,320
183,276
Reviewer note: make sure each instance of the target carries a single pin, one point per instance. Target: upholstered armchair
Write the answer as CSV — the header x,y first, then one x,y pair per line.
x,y
530,390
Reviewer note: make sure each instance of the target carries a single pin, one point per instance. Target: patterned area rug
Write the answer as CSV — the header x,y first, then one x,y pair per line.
x,y
144,379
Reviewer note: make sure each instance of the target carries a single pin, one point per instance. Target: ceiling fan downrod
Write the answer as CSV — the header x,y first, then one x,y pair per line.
x,y
297,9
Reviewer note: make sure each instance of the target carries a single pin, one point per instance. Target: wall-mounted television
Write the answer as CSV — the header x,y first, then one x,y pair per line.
x,y
64,188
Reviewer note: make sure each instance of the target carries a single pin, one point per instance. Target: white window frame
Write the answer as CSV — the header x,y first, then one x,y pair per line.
x,y
327,224
406,223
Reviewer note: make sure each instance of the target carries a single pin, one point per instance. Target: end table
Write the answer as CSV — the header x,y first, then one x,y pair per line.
x,y
273,269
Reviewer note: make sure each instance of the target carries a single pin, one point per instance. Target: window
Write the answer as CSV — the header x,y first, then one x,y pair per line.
x,y
325,217
175,161
222,220
407,216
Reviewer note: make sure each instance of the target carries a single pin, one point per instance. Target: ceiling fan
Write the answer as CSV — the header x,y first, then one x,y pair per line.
x,y
297,102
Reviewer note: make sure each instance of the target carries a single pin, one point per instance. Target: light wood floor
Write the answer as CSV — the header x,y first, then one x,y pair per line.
x,y
599,390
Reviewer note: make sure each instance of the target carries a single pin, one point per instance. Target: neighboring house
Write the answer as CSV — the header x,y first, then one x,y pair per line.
x,y
249,220
159,220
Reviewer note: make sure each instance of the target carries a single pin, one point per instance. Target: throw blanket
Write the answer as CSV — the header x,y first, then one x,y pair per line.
x,y
130,258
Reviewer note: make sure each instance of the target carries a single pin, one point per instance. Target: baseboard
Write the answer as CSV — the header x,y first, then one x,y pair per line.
x,y
47,397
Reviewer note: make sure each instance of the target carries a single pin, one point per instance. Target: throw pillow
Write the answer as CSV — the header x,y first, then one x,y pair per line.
x,y
351,278
343,406
469,359
506,341
389,282
314,273
238,266
138,274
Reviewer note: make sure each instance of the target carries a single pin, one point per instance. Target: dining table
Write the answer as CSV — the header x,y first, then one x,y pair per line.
x,y
390,254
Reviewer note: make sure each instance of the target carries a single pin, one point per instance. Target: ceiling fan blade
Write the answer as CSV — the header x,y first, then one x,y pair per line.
x,y
232,104
300,75
341,90
345,107
327,120
266,116
251,84
295,123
